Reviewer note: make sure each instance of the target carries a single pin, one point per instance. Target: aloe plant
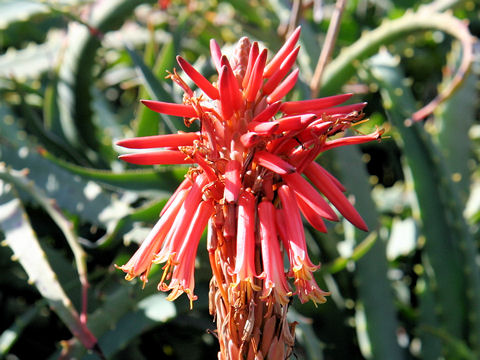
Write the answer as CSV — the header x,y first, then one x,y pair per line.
x,y
71,77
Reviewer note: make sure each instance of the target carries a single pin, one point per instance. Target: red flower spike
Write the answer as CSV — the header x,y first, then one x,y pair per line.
x,y
277,77
198,79
274,280
312,198
284,87
256,77
170,109
245,256
298,107
163,157
328,188
216,53
233,182
286,49
268,113
252,57
183,273
157,141
273,163
248,158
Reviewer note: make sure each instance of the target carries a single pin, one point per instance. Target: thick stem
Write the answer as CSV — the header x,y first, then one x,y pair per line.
x,y
248,327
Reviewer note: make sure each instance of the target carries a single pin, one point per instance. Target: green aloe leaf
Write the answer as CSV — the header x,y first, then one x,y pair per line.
x,y
10,335
374,289
21,239
453,135
76,73
148,313
148,121
31,61
456,282
90,203
161,181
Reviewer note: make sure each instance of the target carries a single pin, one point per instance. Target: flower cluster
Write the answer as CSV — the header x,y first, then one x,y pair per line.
x,y
247,183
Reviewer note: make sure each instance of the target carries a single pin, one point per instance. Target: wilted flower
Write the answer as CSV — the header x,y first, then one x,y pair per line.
x,y
250,154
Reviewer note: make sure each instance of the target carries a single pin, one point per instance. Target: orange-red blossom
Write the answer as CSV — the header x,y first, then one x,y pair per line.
x,y
246,179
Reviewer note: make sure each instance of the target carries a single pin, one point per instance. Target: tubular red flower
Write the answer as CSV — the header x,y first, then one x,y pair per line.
x,y
252,57
198,79
325,173
156,141
216,54
336,197
256,77
268,112
293,123
311,215
284,87
291,231
353,140
232,181
141,261
263,128
177,231
302,106
343,110
312,198
273,163
277,77
245,255
236,97
286,49
183,273
274,280
163,157
185,185
170,109
230,96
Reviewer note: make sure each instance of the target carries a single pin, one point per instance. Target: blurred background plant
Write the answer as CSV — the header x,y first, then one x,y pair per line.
x,y
71,76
